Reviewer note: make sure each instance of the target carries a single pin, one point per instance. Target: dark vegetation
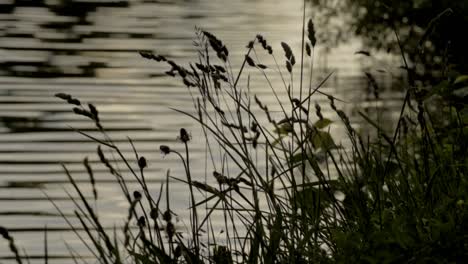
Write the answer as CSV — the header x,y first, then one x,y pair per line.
x,y
432,33
297,195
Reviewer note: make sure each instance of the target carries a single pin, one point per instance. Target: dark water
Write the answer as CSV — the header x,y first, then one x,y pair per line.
x,y
89,49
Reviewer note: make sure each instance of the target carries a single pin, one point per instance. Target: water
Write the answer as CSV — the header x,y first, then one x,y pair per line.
x,y
89,49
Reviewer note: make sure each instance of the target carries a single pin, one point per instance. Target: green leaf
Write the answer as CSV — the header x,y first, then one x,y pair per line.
x,y
461,92
461,78
277,140
322,123
322,140
296,158
284,129
439,89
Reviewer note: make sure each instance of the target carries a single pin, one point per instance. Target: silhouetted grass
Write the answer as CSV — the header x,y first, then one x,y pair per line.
x,y
287,191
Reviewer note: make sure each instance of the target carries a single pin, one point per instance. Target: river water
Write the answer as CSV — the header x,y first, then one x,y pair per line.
x,y
89,49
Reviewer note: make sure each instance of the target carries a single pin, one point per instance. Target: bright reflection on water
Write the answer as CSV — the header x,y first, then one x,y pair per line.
x,y
89,49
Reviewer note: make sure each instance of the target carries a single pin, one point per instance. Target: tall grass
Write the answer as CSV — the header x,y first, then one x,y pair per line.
x,y
288,192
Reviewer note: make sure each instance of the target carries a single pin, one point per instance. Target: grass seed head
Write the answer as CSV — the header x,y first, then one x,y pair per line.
x,y
137,195
91,176
154,213
269,49
287,50
332,102
170,73
249,61
63,96
293,60
68,98
170,230
142,163
167,216
184,136
260,38
311,32
74,101
318,111
4,233
141,221
82,112
165,149
289,66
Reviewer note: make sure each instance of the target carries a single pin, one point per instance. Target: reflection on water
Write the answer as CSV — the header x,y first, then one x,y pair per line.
x,y
429,31
89,49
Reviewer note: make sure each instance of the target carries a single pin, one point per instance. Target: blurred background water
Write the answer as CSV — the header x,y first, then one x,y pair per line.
x,y
89,48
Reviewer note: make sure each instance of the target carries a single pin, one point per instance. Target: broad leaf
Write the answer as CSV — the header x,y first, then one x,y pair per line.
x,y
322,123
284,129
322,140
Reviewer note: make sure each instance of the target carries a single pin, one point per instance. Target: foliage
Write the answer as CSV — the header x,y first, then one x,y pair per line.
x,y
430,32
291,193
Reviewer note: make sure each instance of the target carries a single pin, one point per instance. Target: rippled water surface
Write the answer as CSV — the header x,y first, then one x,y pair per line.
x,y
89,49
